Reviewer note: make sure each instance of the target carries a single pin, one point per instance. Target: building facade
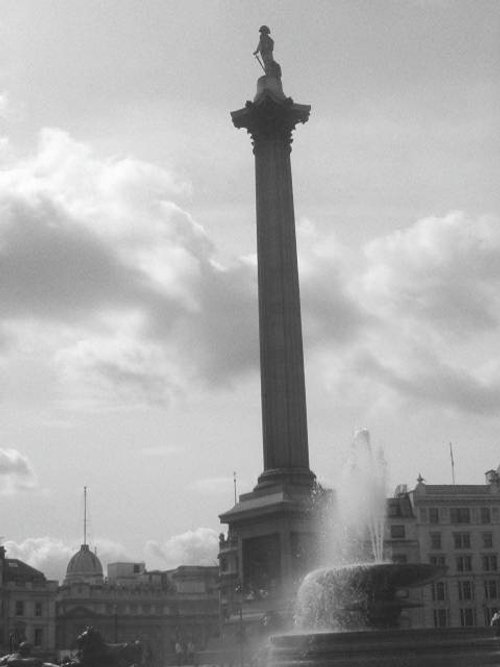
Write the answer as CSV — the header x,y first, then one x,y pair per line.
x,y
27,607
457,527
161,609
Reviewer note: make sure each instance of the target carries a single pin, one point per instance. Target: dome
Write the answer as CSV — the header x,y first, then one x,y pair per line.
x,y
84,566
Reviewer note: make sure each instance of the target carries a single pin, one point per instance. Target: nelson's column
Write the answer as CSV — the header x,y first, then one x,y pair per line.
x,y
271,537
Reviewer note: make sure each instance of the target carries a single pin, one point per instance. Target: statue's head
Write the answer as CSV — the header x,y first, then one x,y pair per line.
x,y
264,30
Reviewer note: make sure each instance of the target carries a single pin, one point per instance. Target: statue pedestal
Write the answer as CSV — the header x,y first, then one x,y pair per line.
x,y
271,85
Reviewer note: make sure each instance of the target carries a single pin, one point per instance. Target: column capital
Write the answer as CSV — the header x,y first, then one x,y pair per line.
x,y
270,117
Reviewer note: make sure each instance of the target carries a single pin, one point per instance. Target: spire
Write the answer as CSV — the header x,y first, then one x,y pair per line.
x,y
85,516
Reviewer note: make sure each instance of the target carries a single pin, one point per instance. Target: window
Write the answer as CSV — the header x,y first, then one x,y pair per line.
x,y
397,532
491,589
467,617
435,540
19,608
461,540
433,515
38,608
38,637
438,591
394,509
464,563
489,563
485,515
437,560
487,540
465,590
440,618
460,515
137,568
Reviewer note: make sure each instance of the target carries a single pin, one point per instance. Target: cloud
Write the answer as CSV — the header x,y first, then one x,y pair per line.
x,y
119,291
120,278
194,547
433,292
16,472
51,555
441,271
431,381
332,311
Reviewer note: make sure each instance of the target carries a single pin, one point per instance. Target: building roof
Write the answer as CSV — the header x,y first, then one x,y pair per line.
x,y
457,489
17,571
84,566
400,506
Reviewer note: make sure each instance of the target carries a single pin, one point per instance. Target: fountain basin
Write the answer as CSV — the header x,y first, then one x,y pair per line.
x,y
452,647
358,597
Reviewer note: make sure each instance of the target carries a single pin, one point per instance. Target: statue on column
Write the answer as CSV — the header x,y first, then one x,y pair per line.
x,y
265,48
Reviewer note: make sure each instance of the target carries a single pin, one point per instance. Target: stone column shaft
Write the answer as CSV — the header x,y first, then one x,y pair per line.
x,y
284,417
270,120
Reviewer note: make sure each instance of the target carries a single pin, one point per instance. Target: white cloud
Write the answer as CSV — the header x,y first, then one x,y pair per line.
x,y
97,253
16,472
51,555
194,547
442,271
432,291
118,290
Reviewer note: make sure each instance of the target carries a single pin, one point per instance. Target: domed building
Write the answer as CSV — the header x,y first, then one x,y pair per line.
x,y
84,567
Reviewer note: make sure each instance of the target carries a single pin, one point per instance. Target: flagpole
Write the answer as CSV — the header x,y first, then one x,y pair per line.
x,y
85,515
452,465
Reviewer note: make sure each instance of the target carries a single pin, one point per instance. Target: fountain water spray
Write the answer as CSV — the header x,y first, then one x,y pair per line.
x,y
354,526
357,590
334,597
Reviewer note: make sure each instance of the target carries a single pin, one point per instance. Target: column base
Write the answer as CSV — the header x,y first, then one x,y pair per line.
x,y
286,476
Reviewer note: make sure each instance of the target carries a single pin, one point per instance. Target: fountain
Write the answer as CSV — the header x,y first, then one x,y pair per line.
x,y
348,612
357,590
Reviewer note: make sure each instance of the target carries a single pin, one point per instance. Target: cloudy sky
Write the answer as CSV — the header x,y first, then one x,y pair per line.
x,y
128,314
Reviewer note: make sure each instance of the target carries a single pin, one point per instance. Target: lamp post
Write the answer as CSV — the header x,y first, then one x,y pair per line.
x,y
241,627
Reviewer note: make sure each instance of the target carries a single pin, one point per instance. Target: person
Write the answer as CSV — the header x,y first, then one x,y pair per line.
x,y
190,652
179,653
265,48
495,623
